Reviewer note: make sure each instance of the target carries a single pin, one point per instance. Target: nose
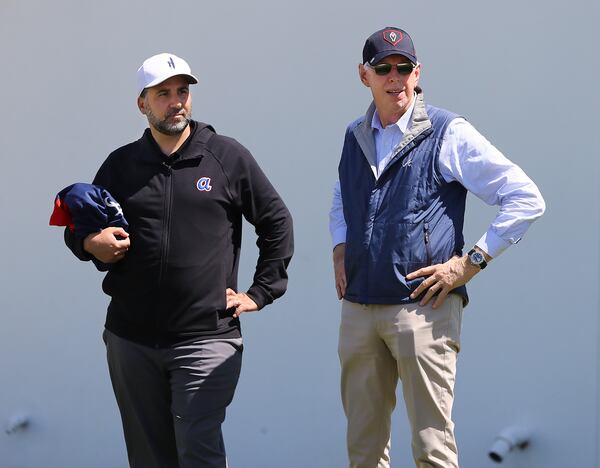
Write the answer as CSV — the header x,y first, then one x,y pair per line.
x,y
394,75
176,103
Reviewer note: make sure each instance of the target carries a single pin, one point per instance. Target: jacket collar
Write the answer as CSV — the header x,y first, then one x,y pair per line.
x,y
364,132
192,148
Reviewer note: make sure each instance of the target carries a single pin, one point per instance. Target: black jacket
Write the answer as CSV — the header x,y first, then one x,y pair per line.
x,y
185,225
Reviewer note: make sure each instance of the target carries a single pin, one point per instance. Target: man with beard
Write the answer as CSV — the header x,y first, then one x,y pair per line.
x,y
397,229
172,330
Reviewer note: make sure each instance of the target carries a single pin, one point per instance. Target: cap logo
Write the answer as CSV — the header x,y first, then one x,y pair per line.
x,y
393,37
171,63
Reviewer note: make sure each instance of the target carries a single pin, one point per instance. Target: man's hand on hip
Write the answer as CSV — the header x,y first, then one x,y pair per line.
x,y
339,270
241,302
442,278
105,246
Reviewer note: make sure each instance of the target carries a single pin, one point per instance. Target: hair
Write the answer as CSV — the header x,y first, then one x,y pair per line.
x,y
143,93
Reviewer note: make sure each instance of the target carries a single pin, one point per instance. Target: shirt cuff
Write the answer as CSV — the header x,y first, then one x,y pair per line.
x,y
338,236
492,244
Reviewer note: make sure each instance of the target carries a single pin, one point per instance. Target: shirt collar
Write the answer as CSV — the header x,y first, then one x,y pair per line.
x,y
402,123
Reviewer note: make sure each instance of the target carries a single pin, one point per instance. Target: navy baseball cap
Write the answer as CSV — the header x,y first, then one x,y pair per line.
x,y
388,41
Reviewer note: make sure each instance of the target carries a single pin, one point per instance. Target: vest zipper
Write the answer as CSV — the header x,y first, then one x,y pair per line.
x,y
427,245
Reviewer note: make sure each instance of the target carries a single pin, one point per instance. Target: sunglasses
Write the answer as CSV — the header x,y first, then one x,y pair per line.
x,y
382,69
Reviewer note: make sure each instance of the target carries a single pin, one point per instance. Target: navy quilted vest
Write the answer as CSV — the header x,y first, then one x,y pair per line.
x,y
405,219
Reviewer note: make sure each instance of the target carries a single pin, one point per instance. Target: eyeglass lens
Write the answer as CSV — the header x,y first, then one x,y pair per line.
x,y
385,68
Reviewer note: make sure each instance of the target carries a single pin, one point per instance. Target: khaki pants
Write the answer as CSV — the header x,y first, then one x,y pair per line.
x,y
419,345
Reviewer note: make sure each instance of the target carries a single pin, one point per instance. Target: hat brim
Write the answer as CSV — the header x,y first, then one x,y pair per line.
x,y
191,80
386,53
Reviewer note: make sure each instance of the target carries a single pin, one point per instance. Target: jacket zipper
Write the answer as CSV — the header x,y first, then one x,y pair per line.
x,y
165,234
166,222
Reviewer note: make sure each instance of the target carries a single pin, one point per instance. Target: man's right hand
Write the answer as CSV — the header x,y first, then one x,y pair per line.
x,y
105,246
339,269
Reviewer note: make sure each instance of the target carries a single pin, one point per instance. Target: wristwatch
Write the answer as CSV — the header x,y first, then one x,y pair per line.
x,y
476,258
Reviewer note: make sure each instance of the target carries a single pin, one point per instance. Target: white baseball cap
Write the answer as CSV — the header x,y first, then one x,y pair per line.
x,y
161,67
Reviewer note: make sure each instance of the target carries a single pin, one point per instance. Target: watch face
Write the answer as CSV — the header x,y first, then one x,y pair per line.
x,y
477,258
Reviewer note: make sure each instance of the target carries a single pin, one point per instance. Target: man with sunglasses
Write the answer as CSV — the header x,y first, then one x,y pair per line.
x,y
396,224
172,331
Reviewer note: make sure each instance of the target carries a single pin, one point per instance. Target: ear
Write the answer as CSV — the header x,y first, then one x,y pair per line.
x,y
362,73
417,73
141,105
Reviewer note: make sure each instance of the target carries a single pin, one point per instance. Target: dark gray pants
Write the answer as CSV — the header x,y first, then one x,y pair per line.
x,y
173,400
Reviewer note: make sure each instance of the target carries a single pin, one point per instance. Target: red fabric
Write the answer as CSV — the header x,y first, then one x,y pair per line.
x,y
61,216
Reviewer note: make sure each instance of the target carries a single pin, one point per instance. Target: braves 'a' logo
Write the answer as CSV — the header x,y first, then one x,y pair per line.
x,y
203,184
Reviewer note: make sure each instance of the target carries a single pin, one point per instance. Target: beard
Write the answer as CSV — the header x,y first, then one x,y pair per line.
x,y
166,127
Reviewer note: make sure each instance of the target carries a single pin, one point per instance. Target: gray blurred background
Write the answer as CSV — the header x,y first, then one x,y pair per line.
x,y
282,79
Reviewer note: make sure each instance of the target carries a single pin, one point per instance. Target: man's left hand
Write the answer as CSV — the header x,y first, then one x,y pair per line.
x,y
240,301
442,278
